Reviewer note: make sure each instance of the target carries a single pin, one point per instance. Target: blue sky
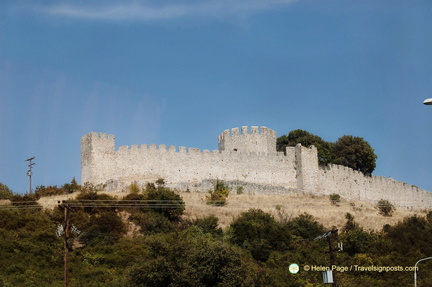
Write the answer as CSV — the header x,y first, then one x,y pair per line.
x,y
181,72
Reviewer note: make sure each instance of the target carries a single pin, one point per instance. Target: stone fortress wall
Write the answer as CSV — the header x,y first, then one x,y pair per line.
x,y
245,158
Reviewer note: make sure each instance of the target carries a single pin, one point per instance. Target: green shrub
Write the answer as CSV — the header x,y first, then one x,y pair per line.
x,y
240,190
385,208
335,199
134,188
219,194
71,187
164,200
50,190
152,222
26,199
258,232
208,224
305,226
5,192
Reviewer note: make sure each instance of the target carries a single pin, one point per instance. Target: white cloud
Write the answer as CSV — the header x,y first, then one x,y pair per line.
x,y
153,10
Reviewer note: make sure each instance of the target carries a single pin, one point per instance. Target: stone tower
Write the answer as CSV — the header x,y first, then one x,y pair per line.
x,y
97,152
260,140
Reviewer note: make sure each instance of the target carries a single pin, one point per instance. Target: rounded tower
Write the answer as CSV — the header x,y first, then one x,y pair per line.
x,y
257,140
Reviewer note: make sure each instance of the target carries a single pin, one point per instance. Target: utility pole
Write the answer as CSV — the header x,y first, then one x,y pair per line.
x,y
329,235
332,254
66,234
29,172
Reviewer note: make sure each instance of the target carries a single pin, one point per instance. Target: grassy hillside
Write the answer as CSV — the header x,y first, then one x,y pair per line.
x,y
281,206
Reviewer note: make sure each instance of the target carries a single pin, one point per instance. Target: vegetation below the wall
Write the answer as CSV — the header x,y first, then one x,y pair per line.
x,y
147,238
218,196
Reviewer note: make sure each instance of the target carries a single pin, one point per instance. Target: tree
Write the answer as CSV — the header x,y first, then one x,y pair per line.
x,y
350,151
188,258
305,226
165,201
5,192
356,153
105,227
258,232
71,187
307,139
208,224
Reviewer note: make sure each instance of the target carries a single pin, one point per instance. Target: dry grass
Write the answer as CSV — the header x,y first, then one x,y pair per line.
x,y
281,206
289,206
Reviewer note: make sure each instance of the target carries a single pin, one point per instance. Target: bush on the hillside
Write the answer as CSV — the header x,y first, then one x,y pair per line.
x,y
93,201
152,222
335,199
188,258
29,199
305,226
164,200
208,224
105,227
350,224
5,192
71,187
219,194
134,188
259,233
51,190
385,208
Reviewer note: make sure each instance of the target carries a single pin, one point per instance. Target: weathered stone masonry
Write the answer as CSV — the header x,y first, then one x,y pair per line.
x,y
245,158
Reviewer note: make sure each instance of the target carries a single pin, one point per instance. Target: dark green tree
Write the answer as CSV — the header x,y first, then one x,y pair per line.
x,y
188,258
29,199
105,227
350,151
71,187
356,153
151,222
305,226
259,233
208,224
325,155
5,192
164,200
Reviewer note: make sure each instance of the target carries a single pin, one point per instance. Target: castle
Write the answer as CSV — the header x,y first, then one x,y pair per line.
x,y
246,159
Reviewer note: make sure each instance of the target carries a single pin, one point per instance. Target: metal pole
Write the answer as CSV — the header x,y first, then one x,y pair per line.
x,y
29,172
415,269
66,245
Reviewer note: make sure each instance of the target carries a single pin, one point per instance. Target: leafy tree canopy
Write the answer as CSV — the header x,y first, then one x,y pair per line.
x,y
260,233
350,151
5,192
356,153
306,139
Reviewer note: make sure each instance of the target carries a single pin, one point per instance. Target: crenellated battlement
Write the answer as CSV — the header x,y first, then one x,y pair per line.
x,y
244,131
98,136
163,149
257,140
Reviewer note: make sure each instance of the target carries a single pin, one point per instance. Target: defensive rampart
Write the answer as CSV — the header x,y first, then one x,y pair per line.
x,y
245,158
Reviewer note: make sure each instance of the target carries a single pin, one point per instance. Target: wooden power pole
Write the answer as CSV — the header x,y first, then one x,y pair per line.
x,y
332,254
329,235
66,235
